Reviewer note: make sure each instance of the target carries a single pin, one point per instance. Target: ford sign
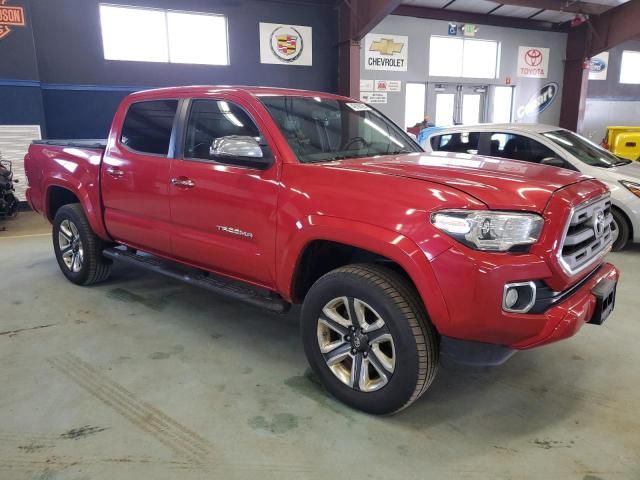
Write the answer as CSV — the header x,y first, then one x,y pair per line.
x,y
597,65
539,102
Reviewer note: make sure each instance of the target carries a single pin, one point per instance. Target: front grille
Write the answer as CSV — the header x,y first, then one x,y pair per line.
x,y
587,236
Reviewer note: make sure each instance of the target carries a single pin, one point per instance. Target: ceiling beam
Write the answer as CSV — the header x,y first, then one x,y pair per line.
x,y
561,6
479,18
366,14
613,27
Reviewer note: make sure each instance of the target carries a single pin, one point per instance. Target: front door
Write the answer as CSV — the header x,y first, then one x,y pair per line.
x,y
135,177
457,104
223,215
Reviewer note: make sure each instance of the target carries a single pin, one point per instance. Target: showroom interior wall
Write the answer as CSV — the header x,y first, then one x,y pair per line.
x,y
610,102
53,72
419,31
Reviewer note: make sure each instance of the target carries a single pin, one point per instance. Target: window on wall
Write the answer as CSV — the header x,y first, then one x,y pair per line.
x,y
152,35
630,67
463,57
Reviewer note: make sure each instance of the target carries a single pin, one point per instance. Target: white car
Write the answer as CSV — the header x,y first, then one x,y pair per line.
x,y
557,147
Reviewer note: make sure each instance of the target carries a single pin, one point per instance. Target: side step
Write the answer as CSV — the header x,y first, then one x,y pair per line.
x,y
214,283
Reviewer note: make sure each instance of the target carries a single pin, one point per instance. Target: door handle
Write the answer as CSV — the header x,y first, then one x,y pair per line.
x,y
183,182
115,172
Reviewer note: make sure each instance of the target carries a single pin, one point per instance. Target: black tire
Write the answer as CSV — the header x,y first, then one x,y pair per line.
x,y
624,230
415,340
93,268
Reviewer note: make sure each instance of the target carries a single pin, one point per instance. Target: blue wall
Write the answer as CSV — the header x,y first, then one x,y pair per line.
x,y
73,91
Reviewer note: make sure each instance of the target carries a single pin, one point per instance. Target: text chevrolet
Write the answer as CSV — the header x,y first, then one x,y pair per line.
x,y
276,197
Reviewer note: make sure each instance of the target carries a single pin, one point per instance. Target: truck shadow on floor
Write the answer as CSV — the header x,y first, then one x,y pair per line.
x,y
526,394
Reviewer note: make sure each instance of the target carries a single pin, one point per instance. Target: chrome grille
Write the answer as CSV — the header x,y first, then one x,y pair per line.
x,y
587,236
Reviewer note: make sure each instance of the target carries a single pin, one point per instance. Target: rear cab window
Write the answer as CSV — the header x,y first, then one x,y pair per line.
x,y
463,142
148,125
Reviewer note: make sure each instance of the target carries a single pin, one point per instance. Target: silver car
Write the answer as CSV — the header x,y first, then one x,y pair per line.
x,y
557,147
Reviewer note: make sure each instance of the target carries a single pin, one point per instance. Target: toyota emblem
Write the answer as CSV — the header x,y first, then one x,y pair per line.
x,y
598,223
533,57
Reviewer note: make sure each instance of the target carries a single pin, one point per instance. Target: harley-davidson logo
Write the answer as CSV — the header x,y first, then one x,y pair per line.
x,y
10,16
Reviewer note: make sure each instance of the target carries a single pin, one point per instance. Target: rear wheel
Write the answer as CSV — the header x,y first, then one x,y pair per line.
x,y
620,230
367,337
78,250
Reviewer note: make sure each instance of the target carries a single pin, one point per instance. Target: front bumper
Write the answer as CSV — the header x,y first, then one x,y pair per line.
x,y
472,287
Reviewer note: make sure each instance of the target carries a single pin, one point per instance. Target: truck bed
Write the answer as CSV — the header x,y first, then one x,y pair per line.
x,y
93,143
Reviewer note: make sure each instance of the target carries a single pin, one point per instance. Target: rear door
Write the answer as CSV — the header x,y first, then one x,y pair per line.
x,y
135,177
224,215
516,147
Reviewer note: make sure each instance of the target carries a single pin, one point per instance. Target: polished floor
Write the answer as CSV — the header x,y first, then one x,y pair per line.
x,y
146,378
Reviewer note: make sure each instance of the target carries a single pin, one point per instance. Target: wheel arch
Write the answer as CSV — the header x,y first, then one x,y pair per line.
x,y
331,242
64,191
626,218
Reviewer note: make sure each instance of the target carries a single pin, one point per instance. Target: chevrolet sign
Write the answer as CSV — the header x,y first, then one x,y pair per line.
x,y
386,52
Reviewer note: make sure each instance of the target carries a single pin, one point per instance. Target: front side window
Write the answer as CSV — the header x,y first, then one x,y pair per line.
x,y
518,147
464,142
210,120
584,150
320,130
148,125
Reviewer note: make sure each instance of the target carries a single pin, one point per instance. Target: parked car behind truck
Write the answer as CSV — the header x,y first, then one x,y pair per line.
x,y
278,197
557,147
623,142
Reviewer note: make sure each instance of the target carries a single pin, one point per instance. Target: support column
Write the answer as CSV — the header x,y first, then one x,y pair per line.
x,y
576,78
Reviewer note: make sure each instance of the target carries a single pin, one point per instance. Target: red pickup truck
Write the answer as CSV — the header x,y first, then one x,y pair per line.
x,y
276,197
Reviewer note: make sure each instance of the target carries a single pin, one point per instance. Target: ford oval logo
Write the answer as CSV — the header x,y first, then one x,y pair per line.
x,y
597,65
540,101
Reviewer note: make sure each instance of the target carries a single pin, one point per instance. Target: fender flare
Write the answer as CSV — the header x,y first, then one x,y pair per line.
x,y
375,239
90,201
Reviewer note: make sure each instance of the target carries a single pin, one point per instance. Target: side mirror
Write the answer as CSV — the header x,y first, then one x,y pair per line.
x,y
240,150
554,162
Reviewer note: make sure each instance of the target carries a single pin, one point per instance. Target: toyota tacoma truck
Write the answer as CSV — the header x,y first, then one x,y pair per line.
x,y
400,259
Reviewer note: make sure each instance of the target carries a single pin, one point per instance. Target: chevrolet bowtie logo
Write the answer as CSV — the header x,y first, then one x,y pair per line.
x,y
386,46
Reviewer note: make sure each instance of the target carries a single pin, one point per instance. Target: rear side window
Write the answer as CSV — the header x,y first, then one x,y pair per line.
x,y
147,126
518,147
212,119
464,142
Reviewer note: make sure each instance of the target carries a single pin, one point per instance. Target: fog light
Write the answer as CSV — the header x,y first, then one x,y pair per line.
x,y
519,297
511,298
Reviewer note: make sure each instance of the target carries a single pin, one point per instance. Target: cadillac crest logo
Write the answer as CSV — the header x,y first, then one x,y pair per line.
x,y
287,43
10,17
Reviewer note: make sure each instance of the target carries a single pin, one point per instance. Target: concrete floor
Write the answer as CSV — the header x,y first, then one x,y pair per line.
x,y
145,378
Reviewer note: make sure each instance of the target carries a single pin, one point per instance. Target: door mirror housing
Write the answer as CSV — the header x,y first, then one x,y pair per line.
x,y
554,162
240,150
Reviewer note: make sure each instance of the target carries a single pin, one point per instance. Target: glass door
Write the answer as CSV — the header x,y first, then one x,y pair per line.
x,y
451,104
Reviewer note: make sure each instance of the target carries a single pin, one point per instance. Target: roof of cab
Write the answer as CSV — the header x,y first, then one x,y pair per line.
x,y
246,90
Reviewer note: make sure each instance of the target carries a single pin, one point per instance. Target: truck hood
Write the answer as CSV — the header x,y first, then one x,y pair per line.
x,y
498,183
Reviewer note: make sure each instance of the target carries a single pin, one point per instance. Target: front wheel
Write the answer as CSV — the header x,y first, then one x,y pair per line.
x,y
78,250
367,337
620,230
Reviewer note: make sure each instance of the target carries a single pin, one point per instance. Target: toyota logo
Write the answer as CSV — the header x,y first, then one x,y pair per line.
x,y
533,57
598,223
356,342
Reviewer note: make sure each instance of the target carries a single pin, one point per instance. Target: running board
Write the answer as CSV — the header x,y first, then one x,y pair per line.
x,y
229,288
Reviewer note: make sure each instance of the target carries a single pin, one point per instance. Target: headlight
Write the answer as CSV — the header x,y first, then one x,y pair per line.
x,y
489,230
633,187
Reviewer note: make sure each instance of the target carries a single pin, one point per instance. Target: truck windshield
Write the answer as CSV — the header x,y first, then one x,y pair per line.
x,y
584,150
322,130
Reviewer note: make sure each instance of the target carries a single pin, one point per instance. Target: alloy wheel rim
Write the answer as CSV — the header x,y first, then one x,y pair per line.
x,y
356,344
71,248
615,231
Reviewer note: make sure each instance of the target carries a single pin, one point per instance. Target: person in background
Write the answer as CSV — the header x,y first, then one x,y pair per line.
x,y
426,128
